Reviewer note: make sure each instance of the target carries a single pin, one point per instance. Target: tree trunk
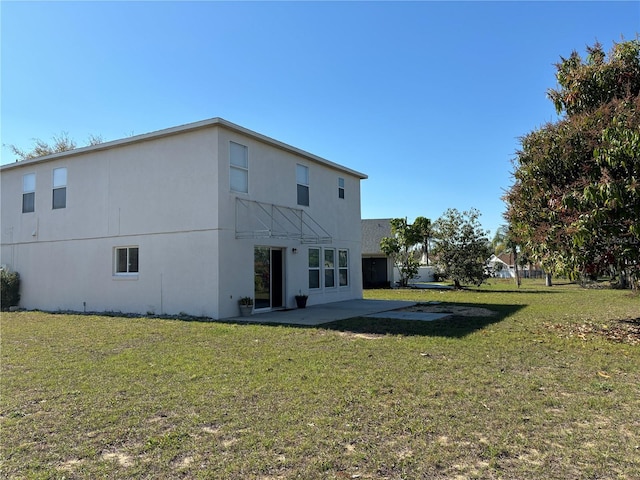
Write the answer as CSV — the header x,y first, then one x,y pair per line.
x,y
547,280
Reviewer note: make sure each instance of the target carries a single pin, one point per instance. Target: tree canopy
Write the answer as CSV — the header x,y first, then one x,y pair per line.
x,y
60,143
462,246
575,202
401,246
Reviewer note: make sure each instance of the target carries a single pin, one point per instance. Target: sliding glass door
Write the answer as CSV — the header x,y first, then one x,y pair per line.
x,y
268,277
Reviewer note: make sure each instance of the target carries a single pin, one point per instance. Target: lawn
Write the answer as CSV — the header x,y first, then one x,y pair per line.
x,y
547,387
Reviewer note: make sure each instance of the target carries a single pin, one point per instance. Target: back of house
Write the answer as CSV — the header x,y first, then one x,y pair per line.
x,y
182,220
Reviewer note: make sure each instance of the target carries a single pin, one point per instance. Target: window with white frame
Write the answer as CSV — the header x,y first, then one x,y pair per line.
x,y
314,268
59,187
238,168
325,267
28,193
329,268
302,181
126,260
343,267
340,187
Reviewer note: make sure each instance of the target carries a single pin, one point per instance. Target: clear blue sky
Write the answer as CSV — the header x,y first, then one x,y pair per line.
x,y
427,98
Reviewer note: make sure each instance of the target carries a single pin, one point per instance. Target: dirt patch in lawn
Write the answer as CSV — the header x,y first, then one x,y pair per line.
x,y
457,310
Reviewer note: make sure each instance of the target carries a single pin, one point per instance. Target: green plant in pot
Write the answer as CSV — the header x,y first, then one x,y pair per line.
x,y
246,306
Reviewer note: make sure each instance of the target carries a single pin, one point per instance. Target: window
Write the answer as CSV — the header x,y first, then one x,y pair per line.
x,y
340,187
239,168
314,268
343,267
329,268
28,193
59,187
302,179
126,260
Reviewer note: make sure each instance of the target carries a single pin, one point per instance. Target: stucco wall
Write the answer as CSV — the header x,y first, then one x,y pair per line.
x,y
169,196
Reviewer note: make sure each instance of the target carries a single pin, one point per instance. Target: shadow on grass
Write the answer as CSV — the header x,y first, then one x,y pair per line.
x,y
455,326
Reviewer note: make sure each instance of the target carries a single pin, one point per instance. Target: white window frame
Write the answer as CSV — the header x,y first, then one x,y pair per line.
x,y
338,269
302,180
341,188
59,182
29,189
315,269
329,269
116,258
343,268
238,167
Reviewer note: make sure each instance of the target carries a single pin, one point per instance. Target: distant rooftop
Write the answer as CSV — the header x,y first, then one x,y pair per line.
x,y
374,230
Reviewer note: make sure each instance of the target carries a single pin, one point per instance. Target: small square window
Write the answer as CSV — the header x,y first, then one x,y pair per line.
x,y
126,260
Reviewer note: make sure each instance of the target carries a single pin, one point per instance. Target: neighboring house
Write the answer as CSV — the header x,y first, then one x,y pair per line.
x,y
182,220
503,266
499,267
377,268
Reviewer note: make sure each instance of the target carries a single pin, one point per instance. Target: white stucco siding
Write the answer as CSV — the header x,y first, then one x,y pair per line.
x,y
175,275
272,180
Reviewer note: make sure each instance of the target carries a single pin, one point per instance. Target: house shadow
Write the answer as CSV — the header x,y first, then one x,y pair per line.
x,y
463,319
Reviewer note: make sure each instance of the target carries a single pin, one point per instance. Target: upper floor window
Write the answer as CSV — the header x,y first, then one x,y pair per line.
x,y
302,179
340,187
60,187
28,193
239,168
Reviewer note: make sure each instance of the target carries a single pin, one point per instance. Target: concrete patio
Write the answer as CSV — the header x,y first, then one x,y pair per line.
x,y
331,312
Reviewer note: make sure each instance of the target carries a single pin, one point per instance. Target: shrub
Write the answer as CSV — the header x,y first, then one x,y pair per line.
x,y
10,289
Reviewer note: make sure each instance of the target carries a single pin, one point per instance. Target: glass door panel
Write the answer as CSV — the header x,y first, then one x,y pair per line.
x,y
262,279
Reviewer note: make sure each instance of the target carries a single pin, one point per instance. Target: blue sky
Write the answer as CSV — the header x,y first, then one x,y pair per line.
x,y
427,98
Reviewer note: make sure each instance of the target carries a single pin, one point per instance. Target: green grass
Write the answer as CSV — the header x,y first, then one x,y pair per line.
x,y
547,388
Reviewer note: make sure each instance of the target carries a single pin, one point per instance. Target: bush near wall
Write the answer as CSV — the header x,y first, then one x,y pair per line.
x,y
10,289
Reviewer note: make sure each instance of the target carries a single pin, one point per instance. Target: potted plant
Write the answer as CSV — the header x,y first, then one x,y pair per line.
x,y
301,300
246,306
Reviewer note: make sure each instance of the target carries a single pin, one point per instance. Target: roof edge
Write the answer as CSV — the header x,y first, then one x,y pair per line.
x,y
216,121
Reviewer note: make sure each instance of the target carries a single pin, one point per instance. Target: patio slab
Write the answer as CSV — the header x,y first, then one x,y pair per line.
x,y
327,312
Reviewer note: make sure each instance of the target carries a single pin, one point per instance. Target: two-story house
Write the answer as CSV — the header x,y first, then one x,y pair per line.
x,y
187,219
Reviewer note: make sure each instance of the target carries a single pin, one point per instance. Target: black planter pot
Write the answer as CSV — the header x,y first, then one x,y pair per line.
x,y
301,301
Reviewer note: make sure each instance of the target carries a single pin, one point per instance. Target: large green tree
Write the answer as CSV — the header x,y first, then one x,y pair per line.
x,y
462,247
575,201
